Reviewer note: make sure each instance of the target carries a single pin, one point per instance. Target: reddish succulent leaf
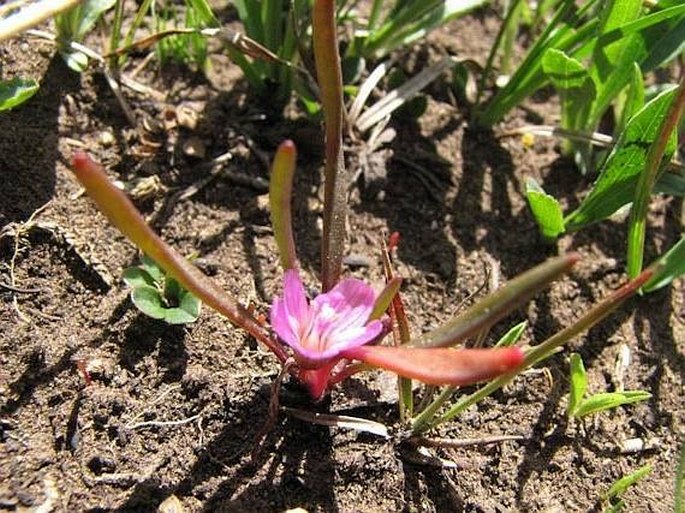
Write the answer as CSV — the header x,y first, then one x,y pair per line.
x,y
440,366
124,215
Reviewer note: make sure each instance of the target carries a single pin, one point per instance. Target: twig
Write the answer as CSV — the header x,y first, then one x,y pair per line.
x,y
453,443
159,423
20,230
274,407
18,290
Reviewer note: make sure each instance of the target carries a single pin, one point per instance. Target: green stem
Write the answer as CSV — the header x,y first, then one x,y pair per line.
x,y
646,181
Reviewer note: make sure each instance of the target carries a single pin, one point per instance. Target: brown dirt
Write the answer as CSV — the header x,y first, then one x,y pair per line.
x,y
78,444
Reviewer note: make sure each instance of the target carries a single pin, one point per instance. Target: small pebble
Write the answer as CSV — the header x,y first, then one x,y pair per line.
x,y
106,138
194,147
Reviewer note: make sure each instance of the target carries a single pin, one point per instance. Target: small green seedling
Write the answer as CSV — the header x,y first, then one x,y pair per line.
x,y
612,497
72,27
15,92
580,406
159,296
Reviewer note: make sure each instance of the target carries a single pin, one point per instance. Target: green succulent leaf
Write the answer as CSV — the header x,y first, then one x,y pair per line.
x,y
622,485
512,336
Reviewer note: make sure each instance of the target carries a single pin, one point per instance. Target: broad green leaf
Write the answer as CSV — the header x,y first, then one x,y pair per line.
x,y
149,301
90,11
634,98
546,210
15,92
575,87
608,400
672,266
512,336
188,310
615,186
621,485
612,63
154,270
578,384
136,277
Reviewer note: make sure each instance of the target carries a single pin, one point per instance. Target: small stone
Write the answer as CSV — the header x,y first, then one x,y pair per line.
x,y
106,138
186,117
194,147
171,505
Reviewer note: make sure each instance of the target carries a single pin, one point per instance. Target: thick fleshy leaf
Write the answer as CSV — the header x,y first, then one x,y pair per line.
x,y
280,198
123,214
578,384
498,304
440,366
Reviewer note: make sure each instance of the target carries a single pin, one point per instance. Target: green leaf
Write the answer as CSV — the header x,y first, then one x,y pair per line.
x,y
90,11
546,210
672,266
612,63
15,92
187,312
204,12
608,400
578,384
634,98
136,277
615,186
154,270
149,301
512,336
620,486
671,184
575,86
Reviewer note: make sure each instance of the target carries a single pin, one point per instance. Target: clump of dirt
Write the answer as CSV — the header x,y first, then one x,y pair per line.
x,y
176,410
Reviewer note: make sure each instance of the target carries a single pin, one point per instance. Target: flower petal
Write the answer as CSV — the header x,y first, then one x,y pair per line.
x,y
290,315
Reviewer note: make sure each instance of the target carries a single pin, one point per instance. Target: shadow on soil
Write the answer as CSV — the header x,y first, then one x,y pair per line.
x,y
28,145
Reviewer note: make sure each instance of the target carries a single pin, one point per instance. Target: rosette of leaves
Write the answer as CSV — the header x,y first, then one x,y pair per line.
x,y
160,296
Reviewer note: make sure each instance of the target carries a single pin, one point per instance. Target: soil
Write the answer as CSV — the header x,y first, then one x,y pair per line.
x,y
453,192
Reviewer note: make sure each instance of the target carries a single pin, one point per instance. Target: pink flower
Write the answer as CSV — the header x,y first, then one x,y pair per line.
x,y
318,331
